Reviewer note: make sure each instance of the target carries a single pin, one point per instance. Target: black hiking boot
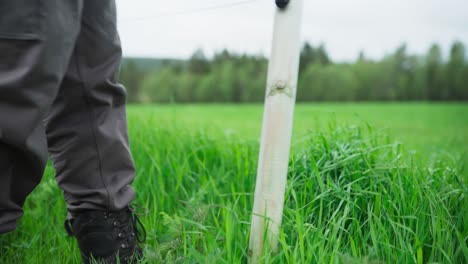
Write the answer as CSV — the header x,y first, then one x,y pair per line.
x,y
108,237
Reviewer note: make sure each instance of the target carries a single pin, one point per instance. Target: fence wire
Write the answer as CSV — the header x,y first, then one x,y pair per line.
x,y
190,11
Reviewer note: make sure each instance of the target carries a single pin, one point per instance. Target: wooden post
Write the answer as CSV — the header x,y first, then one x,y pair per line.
x,y
277,129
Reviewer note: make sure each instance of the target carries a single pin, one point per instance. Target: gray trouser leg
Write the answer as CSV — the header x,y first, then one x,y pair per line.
x,y
86,127
56,52
36,41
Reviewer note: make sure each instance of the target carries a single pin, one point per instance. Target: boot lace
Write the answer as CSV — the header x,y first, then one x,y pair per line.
x,y
130,231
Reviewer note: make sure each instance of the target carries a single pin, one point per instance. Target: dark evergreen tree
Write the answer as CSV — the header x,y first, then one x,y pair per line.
x,y
198,63
456,85
434,73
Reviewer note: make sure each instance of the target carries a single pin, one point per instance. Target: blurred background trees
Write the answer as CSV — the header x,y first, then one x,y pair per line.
x,y
234,78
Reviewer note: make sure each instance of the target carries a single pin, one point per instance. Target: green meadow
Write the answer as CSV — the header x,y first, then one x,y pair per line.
x,y
368,183
422,127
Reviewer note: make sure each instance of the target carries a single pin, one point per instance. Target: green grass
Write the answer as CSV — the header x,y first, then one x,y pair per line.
x,y
424,128
354,195
420,126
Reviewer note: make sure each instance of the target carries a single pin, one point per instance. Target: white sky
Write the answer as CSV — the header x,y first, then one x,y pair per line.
x,y
171,28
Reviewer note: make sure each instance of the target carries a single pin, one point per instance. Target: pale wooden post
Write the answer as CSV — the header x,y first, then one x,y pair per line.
x,y
277,129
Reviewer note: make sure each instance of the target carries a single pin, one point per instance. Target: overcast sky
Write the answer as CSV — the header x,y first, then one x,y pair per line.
x,y
175,28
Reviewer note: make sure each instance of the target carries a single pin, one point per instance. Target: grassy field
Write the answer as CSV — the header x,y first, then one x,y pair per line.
x,y
424,128
354,195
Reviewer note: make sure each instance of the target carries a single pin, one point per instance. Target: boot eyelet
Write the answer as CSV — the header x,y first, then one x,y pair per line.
x,y
115,224
123,246
120,235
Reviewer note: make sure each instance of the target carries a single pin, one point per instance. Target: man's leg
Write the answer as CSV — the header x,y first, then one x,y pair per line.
x,y
86,127
87,136
36,40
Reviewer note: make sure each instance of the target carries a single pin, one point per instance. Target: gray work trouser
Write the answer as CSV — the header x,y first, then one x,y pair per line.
x,y
59,61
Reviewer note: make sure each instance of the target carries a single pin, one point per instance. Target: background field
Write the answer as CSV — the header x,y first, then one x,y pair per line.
x,y
354,196
426,128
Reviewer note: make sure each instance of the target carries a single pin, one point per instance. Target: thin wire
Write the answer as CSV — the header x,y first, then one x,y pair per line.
x,y
189,12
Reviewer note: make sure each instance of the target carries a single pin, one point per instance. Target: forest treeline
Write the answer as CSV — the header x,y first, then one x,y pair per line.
x,y
229,77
